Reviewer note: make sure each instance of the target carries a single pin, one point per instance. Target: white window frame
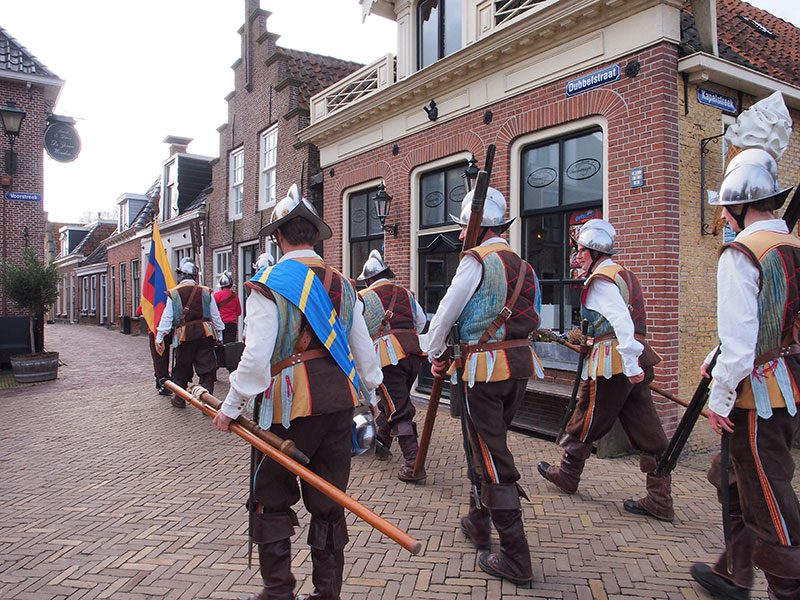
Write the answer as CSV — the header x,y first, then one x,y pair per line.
x,y
103,297
123,290
169,202
267,168
222,262
236,185
136,282
93,294
84,294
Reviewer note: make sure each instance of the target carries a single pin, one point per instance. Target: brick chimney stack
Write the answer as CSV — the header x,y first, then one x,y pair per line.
x,y
177,144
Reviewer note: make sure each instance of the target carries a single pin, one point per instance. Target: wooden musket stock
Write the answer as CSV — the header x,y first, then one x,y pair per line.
x,y
331,491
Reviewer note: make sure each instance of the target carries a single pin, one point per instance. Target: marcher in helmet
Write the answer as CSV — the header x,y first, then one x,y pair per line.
x,y
616,376
312,388
229,307
394,319
494,297
754,397
193,317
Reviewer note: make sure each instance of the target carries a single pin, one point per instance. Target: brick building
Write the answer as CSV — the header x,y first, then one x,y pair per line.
x,y
595,110
33,88
80,266
260,156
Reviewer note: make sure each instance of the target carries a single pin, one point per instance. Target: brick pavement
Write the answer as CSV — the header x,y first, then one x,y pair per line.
x,y
106,491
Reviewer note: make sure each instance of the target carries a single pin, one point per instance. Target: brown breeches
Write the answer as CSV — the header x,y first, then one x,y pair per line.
x,y
602,401
197,355
160,361
397,412
491,408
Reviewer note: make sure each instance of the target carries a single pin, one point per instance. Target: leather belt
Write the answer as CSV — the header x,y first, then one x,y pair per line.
x,y
783,351
489,346
297,358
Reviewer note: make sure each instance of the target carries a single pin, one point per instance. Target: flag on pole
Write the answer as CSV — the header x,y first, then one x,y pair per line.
x,y
158,279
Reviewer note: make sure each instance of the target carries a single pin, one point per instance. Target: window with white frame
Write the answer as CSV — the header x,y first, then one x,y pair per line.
x,y
364,227
123,291
236,190
93,294
113,294
103,297
85,295
64,296
136,290
268,160
169,203
222,262
438,30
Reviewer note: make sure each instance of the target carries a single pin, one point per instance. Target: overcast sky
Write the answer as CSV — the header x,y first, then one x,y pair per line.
x,y
138,71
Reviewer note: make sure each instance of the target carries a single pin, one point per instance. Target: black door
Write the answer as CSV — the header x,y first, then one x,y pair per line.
x,y
438,259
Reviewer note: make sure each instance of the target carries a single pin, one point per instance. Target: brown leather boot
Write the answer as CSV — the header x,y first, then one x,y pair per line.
x,y
271,532
513,561
716,585
566,476
743,542
477,525
781,566
409,446
657,503
327,541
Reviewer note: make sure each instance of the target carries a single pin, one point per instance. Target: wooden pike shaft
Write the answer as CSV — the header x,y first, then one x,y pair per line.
x,y
427,428
331,491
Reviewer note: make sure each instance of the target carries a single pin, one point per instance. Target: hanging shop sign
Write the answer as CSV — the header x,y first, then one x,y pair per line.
x,y
716,100
61,141
593,80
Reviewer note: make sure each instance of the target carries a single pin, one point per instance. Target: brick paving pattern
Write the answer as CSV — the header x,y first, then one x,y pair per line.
x,y
106,491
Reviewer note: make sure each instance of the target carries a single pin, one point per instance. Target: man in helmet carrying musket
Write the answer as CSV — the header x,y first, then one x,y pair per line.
x,y
308,350
494,297
193,317
395,319
616,375
755,394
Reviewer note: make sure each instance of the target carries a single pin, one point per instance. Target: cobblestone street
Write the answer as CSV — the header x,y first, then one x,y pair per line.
x,y
107,491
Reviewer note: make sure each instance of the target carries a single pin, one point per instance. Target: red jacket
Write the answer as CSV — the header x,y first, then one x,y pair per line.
x,y
228,304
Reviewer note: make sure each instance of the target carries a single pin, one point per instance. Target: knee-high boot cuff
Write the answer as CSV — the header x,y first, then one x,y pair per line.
x,y
403,428
500,496
272,527
647,463
575,447
327,534
778,560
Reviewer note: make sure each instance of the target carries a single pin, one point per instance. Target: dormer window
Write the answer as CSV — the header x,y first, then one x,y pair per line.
x,y
438,30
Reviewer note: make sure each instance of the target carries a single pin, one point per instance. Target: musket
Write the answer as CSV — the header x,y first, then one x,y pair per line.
x,y
251,513
573,400
470,239
459,392
684,429
200,398
551,336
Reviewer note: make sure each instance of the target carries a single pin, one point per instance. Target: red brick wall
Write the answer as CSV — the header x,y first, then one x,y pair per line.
x,y
249,114
16,215
642,114
123,254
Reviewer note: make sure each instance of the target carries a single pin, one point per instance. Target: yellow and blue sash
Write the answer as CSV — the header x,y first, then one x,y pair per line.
x,y
297,283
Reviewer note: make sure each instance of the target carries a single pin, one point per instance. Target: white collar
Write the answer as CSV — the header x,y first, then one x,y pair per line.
x,y
778,225
308,253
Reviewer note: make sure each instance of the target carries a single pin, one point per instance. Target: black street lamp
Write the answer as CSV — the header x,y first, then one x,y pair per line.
x,y
12,118
471,172
383,202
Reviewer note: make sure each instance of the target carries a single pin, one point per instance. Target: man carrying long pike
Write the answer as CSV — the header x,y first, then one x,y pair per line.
x,y
307,346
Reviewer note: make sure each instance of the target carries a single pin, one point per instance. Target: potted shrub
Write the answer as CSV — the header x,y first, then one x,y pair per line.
x,y
33,287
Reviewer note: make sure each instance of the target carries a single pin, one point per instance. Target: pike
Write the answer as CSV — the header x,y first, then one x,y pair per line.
x,y
209,405
470,241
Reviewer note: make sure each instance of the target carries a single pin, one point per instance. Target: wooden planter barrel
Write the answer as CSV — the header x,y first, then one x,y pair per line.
x,y
30,368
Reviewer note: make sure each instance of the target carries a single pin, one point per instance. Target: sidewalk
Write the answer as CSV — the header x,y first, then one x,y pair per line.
x,y
106,491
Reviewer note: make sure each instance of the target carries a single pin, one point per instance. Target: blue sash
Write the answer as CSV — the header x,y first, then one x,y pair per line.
x,y
297,283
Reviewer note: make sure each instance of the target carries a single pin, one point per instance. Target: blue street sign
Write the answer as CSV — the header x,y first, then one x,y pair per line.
x,y
593,80
716,100
23,196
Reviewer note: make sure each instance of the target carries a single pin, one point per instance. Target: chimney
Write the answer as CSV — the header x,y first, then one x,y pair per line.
x,y
705,19
177,144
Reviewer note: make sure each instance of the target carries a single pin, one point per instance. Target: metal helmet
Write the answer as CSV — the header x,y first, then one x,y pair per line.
x,y
494,210
597,234
265,259
292,206
226,279
187,267
363,432
751,176
374,266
